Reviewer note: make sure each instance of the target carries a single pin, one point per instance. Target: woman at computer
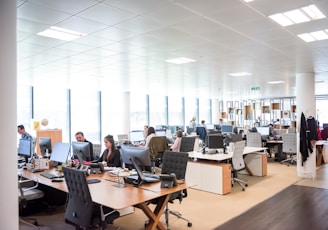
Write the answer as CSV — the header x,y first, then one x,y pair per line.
x,y
111,154
151,133
176,146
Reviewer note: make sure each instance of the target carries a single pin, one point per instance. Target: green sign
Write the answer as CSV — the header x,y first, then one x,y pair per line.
x,y
255,88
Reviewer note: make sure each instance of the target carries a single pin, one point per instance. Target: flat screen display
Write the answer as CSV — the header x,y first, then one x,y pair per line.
x,y
263,130
136,136
226,128
60,152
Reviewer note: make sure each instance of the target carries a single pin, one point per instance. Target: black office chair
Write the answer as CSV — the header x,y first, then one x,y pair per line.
x,y
187,144
238,163
175,162
30,199
81,211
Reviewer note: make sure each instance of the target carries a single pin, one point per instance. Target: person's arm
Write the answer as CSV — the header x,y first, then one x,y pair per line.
x,y
175,145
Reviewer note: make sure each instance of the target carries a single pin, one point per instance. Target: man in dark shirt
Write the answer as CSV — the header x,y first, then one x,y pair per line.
x,y
79,136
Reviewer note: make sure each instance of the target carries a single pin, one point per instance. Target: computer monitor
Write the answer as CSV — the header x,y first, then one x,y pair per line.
x,y
24,149
233,137
324,125
215,141
60,152
210,126
263,130
226,128
45,145
140,154
136,136
82,148
160,132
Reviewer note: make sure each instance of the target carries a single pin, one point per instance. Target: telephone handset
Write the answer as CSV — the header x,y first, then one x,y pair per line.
x,y
168,180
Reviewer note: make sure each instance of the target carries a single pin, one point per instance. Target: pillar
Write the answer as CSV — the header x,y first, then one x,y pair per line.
x,y
305,102
8,131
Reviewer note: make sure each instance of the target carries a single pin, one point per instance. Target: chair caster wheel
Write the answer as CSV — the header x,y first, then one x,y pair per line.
x,y
189,224
246,185
243,189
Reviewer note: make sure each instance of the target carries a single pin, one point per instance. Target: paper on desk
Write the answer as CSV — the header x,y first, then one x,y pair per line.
x,y
118,171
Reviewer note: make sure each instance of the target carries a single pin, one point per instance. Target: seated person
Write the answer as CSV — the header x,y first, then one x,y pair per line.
x,y
111,154
151,133
79,136
176,146
272,132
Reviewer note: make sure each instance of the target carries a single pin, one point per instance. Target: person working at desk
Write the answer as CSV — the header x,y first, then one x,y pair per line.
x,y
111,154
79,136
176,146
23,133
145,131
151,133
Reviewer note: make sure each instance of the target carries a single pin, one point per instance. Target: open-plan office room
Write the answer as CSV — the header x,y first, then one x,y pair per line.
x,y
124,64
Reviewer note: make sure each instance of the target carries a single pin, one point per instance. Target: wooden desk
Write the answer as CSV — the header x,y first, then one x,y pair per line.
x,y
107,194
278,156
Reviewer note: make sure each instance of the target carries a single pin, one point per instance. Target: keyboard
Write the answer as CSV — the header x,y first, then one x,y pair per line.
x,y
48,175
151,175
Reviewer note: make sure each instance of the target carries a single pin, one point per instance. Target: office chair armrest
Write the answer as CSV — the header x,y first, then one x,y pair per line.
x,y
24,184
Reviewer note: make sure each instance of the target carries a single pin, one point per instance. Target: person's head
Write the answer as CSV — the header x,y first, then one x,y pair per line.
x,y
150,130
146,129
203,122
21,129
109,142
179,133
193,118
220,120
79,136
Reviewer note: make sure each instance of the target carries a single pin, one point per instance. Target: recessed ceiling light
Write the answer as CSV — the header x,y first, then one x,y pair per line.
x,y
248,0
304,14
180,60
240,74
60,33
314,36
275,82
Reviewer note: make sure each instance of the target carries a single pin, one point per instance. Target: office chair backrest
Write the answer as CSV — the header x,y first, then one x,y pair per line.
x,y
80,206
291,130
253,139
175,162
289,143
238,162
187,144
157,146
96,151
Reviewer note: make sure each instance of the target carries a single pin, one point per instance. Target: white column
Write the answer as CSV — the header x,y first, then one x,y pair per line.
x,y
8,131
305,102
215,111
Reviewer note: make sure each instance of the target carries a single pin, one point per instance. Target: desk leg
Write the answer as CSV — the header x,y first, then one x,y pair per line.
x,y
319,156
154,217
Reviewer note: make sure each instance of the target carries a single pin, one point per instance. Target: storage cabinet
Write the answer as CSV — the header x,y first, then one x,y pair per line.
x,y
210,177
54,134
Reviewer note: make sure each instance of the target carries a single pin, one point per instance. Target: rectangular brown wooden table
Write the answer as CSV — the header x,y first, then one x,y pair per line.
x,y
107,194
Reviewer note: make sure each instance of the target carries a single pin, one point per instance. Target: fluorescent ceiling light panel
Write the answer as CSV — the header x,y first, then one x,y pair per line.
x,y
319,35
313,12
276,82
314,36
281,19
61,34
306,37
248,0
180,60
241,74
296,16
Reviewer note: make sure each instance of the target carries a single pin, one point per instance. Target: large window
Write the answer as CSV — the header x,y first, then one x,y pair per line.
x,y
85,114
157,110
138,111
51,103
191,110
175,111
24,108
205,112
